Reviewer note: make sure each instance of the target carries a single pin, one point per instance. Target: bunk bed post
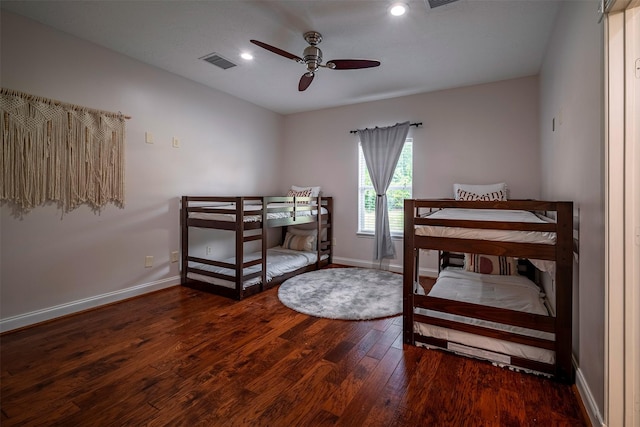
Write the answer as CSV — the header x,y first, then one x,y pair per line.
x,y
408,271
263,246
239,246
564,290
319,231
184,238
330,227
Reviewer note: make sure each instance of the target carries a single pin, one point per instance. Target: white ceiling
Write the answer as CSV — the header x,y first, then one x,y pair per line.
x,y
463,43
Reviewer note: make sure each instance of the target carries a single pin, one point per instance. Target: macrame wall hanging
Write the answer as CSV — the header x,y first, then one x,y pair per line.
x,y
58,152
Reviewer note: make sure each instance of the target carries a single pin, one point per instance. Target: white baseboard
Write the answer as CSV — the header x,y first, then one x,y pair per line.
x,y
587,399
45,314
386,265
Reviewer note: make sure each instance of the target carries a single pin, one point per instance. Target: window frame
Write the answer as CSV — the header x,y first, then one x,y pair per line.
x,y
362,169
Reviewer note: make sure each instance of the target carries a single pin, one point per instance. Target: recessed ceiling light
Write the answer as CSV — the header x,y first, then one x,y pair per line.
x,y
398,9
246,55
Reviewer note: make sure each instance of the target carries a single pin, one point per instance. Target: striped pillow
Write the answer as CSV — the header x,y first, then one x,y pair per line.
x,y
481,189
299,243
488,197
491,264
302,193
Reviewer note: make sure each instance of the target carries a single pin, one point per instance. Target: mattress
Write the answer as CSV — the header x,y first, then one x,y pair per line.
x,y
279,261
518,236
231,216
510,292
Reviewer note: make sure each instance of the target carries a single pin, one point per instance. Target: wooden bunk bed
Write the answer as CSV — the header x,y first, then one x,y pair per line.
x,y
249,218
446,319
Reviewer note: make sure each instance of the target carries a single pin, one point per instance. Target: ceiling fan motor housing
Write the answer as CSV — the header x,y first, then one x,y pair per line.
x,y
312,57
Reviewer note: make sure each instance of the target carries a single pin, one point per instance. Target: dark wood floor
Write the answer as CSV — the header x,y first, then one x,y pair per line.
x,y
185,357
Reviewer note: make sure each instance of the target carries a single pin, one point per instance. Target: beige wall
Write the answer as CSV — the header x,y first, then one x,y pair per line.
x,y
571,88
53,263
477,134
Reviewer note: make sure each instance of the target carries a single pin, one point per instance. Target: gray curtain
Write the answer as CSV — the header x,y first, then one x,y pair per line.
x,y
382,148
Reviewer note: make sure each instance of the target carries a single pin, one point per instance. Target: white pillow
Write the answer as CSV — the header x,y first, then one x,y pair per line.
x,y
299,243
480,189
306,230
315,191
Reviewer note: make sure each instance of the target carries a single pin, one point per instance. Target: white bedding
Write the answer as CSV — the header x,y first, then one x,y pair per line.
x,y
510,292
487,234
231,216
279,261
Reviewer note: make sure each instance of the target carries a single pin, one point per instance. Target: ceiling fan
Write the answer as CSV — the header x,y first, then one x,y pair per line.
x,y
312,58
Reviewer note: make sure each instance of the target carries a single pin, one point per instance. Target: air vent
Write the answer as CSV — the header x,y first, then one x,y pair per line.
x,y
218,61
437,3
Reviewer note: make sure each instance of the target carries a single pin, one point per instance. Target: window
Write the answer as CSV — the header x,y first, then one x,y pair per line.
x,y
400,189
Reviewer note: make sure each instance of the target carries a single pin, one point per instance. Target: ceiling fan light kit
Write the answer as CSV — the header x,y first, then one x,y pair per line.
x,y
312,59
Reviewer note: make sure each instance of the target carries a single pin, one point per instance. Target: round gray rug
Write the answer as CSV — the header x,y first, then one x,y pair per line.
x,y
344,293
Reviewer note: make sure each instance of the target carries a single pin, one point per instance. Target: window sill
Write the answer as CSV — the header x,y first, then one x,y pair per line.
x,y
371,235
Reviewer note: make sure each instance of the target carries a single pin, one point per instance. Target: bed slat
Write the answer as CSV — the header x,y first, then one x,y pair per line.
x,y
483,312
487,332
487,247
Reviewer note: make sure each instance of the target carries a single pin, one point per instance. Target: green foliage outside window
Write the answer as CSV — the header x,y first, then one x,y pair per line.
x,y
399,190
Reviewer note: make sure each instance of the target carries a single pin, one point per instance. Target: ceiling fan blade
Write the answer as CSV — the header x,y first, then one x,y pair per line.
x,y
351,64
276,50
305,81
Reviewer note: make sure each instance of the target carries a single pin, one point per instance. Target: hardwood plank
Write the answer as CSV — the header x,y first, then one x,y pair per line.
x,y
353,357
389,336
185,357
360,405
299,395
345,392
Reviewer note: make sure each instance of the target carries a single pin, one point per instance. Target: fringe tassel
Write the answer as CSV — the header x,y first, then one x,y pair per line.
x,y
53,152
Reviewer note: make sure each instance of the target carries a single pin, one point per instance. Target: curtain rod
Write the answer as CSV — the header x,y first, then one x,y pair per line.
x,y
412,124
11,92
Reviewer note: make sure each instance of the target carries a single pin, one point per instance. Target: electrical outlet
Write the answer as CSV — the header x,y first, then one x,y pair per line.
x,y
148,137
174,256
333,242
148,261
175,142
208,250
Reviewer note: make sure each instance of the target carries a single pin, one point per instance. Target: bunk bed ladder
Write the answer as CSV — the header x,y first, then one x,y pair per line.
x,y
323,222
